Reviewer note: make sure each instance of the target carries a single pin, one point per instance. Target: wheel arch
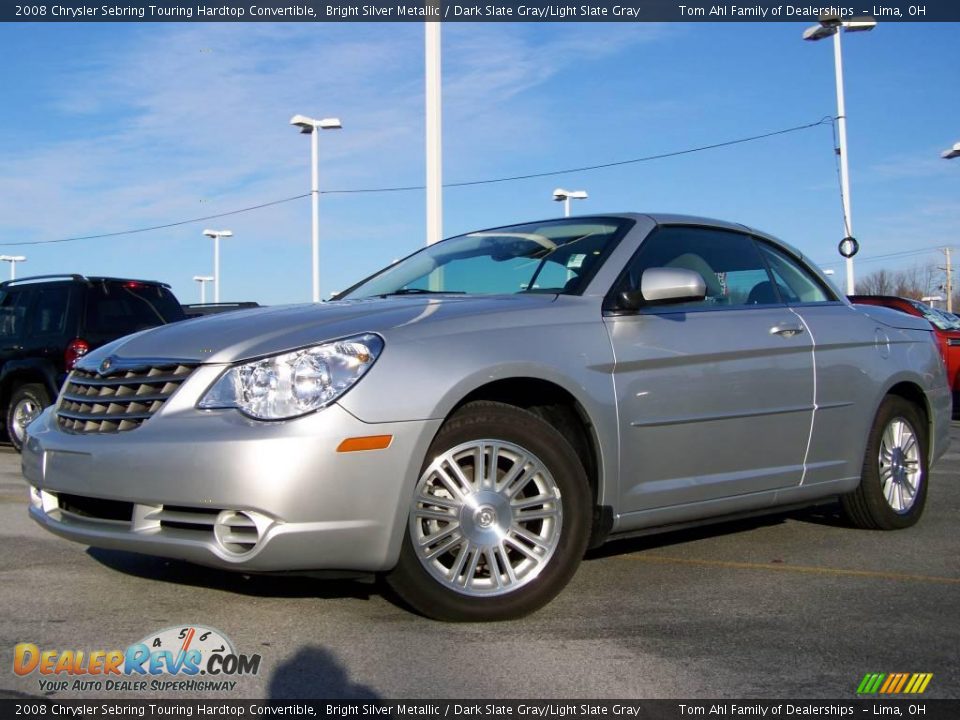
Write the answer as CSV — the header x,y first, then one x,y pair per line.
x,y
914,394
564,411
16,376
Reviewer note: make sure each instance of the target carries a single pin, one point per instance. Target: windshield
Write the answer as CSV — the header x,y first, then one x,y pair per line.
x,y
942,320
558,256
121,307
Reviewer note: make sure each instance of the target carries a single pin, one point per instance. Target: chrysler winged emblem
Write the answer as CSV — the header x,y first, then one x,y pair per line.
x,y
105,366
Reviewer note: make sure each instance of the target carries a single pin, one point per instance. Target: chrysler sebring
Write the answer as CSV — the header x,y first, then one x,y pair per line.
x,y
470,420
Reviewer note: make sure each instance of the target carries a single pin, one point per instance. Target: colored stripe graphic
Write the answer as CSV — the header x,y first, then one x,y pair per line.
x,y
871,683
865,684
894,683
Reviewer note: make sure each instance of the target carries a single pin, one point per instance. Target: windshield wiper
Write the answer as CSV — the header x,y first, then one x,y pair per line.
x,y
421,291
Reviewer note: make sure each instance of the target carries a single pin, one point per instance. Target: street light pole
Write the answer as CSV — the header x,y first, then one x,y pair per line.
x,y
203,280
831,25
434,135
950,154
844,162
565,196
13,260
216,235
315,214
309,126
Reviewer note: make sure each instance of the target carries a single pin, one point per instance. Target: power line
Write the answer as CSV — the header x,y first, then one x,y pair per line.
x,y
901,253
407,188
160,227
586,168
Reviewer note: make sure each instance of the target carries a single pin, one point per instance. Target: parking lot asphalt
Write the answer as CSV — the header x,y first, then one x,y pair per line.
x,y
791,606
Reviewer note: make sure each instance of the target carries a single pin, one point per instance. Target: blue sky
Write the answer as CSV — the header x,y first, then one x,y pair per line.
x,y
107,127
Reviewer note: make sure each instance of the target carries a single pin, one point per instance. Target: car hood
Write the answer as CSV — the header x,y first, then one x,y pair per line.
x,y
247,334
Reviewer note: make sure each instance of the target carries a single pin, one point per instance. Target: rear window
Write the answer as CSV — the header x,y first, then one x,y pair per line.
x,y
121,308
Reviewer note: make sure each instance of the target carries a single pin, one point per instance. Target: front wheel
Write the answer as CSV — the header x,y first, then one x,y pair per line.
x,y
499,519
893,485
26,404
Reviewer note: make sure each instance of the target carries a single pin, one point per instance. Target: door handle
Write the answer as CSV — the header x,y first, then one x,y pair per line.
x,y
786,329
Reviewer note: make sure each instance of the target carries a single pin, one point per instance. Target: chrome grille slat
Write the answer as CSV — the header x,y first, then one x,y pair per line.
x,y
128,379
119,401
98,416
115,398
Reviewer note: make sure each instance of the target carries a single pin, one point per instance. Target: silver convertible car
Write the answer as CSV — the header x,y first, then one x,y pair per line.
x,y
473,418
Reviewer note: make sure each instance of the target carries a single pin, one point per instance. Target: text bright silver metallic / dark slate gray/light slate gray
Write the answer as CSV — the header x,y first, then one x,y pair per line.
x,y
470,419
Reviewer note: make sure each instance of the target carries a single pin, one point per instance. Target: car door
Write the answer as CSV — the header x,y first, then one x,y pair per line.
x,y
848,362
715,397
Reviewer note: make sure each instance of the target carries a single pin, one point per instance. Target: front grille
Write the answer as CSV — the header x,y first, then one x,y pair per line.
x,y
122,400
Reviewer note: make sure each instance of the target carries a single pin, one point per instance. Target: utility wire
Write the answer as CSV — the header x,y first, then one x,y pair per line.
x,y
901,253
407,188
585,168
160,227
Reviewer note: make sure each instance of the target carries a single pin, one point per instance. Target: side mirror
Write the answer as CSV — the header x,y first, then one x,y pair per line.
x,y
661,286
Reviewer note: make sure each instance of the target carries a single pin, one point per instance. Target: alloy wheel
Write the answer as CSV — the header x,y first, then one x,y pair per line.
x,y
486,518
899,462
26,411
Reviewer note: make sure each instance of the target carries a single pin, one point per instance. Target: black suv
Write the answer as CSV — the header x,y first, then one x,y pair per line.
x,y
49,322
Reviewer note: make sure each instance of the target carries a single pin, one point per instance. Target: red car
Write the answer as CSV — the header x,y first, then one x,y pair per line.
x,y
944,324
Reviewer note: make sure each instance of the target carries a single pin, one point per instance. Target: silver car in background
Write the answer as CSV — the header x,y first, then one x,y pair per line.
x,y
472,418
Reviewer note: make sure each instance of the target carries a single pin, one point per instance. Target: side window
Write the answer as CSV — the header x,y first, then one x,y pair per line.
x,y
13,311
49,313
795,283
730,264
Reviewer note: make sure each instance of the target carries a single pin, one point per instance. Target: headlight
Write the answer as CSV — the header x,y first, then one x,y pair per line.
x,y
295,383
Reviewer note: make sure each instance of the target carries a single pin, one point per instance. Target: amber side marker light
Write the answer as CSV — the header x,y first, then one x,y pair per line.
x,y
370,442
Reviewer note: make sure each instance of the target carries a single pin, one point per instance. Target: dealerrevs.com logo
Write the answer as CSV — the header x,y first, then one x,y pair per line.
x,y
193,658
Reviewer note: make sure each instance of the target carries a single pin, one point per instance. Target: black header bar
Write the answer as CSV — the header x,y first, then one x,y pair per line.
x,y
468,11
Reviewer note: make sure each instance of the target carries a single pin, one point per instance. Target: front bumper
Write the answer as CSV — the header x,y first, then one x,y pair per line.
x,y
219,489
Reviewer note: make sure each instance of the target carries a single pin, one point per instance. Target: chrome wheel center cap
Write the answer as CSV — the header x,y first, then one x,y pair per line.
x,y
897,466
485,516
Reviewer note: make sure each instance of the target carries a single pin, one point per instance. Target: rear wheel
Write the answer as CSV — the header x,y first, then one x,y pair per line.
x,y
893,485
26,404
499,519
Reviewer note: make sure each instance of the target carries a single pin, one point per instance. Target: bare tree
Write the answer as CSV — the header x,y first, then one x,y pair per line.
x,y
876,283
915,282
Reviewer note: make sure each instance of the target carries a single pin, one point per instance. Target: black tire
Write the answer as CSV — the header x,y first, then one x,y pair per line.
x,y
31,395
868,507
520,428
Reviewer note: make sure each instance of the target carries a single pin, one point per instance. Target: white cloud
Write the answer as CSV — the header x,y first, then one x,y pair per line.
x,y
175,121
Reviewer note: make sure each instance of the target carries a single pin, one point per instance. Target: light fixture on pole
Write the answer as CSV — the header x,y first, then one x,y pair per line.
x,y
203,280
216,235
311,127
830,25
565,196
951,153
13,260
